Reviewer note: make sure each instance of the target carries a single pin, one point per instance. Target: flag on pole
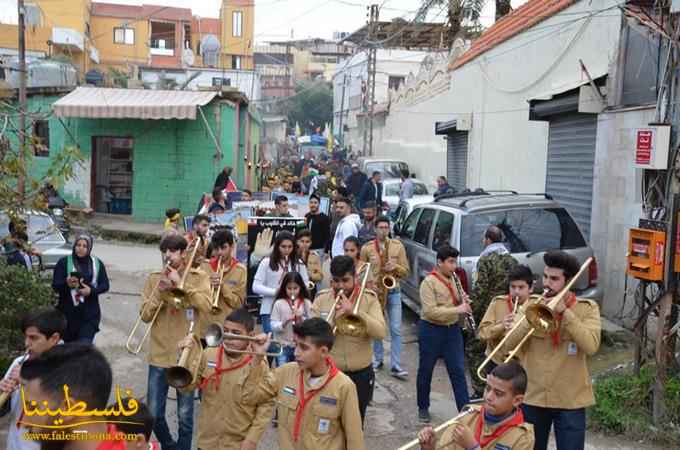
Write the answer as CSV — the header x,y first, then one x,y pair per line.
x,y
298,133
330,139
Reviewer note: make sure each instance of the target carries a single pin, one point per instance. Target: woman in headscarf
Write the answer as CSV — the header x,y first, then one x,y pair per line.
x,y
79,279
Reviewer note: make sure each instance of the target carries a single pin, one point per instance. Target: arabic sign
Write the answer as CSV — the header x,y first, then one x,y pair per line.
x,y
643,146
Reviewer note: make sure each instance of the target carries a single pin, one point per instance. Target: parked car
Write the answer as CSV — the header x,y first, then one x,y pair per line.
x,y
532,224
43,234
399,215
391,192
389,168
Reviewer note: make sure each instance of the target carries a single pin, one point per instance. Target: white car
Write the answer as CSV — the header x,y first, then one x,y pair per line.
x,y
391,189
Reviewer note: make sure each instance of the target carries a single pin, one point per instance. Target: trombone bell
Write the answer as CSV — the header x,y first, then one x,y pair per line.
x,y
186,370
310,286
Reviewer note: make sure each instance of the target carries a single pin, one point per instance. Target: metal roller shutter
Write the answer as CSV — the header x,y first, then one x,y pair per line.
x,y
571,159
456,159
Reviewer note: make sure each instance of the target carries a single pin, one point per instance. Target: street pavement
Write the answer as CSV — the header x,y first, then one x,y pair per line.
x,y
391,418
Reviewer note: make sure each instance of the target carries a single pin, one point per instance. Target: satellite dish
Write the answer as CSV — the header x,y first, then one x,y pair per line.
x,y
188,57
210,47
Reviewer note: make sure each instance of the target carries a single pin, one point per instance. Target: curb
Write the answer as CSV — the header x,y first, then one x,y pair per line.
x,y
120,235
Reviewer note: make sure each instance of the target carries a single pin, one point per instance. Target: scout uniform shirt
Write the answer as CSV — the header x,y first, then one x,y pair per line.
x,y
313,265
510,434
323,415
396,253
172,324
491,329
201,253
437,299
352,353
556,364
225,421
232,294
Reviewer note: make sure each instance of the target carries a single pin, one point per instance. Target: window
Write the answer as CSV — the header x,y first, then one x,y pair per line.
x,y
41,138
236,62
525,230
419,189
221,81
422,234
187,36
124,36
394,81
237,23
410,225
162,38
388,169
642,59
442,230
391,189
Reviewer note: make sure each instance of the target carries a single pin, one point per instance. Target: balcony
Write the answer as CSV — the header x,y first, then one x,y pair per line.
x,y
68,39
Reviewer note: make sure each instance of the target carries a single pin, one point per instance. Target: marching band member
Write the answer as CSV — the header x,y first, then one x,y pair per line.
x,y
559,387
171,326
388,259
317,403
311,260
233,279
498,424
439,334
292,306
225,422
352,354
140,424
500,315
199,229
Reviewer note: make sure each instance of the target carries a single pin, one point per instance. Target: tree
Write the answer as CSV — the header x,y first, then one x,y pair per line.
x,y
461,16
503,7
311,106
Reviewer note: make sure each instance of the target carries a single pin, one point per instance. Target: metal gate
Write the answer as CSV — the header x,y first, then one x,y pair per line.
x,y
456,159
571,159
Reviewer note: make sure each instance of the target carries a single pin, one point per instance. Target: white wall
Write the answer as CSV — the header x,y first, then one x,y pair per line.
x,y
247,82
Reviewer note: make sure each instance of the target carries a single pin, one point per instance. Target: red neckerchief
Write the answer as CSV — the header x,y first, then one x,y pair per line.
x,y
377,248
214,263
304,399
217,375
292,304
517,419
510,305
118,444
448,285
556,334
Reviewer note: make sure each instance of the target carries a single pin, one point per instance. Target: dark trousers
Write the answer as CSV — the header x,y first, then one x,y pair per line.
x,y
364,380
434,342
570,426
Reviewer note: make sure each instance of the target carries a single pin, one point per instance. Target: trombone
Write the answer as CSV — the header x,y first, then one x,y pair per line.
x,y
415,442
4,396
539,316
216,291
138,323
178,292
215,336
352,324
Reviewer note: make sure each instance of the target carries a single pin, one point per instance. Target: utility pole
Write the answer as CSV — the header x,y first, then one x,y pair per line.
x,y
342,109
370,86
22,98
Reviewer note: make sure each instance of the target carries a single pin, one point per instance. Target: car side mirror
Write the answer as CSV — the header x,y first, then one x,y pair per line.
x,y
397,229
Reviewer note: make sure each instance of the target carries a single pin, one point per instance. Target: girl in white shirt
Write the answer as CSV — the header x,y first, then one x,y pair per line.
x,y
291,307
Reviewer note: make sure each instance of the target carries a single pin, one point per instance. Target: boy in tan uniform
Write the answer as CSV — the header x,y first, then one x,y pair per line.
x,y
311,260
439,335
169,328
388,257
317,403
500,315
234,277
198,236
498,424
225,421
559,387
352,354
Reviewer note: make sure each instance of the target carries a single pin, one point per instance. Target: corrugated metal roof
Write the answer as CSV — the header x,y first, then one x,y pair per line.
x,y
107,103
523,18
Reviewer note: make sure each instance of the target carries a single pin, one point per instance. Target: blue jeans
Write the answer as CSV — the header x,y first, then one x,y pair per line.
x,y
157,393
434,342
265,319
393,309
287,356
570,426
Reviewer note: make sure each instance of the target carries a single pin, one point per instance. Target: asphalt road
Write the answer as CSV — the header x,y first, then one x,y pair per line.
x,y
391,419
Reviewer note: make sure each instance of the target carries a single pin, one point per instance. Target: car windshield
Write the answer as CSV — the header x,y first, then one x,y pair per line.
x,y
392,189
525,230
388,169
39,228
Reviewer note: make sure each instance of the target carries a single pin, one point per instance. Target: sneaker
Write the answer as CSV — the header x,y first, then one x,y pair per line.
x,y
400,374
424,416
377,365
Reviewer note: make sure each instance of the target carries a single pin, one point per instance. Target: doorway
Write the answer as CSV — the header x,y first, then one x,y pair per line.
x,y
112,174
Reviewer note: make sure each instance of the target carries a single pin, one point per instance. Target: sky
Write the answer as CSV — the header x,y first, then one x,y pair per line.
x,y
281,19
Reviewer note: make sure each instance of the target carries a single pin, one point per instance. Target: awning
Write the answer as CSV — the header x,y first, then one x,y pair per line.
x,y
106,103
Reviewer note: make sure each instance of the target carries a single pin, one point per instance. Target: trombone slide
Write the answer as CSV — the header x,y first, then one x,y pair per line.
x,y
415,442
4,396
215,308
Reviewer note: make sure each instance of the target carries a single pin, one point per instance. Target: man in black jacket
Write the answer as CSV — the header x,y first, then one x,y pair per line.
x,y
355,181
319,224
372,192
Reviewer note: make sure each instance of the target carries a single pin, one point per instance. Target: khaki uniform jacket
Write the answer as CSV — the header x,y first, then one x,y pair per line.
x,y
330,420
436,303
201,253
232,294
491,329
225,421
558,377
519,437
314,269
172,324
395,252
354,353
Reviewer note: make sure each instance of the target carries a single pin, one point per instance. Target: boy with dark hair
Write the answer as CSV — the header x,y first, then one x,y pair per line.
x,y
199,230
439,334
353,354
317,403
232,276
139,424
42,329
560,387
500,315
498,424
319,224
280,207
170,327
225,421
87,374
311,260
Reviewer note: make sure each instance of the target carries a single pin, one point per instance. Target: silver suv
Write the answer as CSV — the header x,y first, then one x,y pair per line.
x,y
532,224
